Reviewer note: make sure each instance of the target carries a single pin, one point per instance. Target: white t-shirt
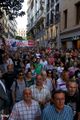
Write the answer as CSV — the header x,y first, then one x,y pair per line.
x,y
48,84
43,63
27,67
61,84
37,55
39,95
9,62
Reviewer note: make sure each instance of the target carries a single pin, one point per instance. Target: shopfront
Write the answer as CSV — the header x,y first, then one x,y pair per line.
x,y
71,42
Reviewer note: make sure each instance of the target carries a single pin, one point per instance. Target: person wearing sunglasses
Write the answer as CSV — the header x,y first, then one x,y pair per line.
x,y
18,87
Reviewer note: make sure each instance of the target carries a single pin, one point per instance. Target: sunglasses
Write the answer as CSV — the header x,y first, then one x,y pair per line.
x,y
21,74
49,73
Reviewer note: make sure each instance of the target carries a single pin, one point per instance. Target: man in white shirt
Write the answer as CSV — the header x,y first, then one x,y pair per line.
x,y
27,109
40,92
43,62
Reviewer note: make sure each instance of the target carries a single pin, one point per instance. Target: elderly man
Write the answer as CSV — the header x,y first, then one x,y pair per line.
x,y
27,109
40,92
73,98
58,111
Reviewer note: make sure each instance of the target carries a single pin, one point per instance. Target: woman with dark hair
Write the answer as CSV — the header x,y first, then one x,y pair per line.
x,y
18,87
28,78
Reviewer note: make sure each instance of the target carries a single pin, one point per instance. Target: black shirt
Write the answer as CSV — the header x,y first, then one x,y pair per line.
x,y
1,57
74,102
9,77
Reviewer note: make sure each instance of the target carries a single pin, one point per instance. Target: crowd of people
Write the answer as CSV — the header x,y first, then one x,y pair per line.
x,y
40,84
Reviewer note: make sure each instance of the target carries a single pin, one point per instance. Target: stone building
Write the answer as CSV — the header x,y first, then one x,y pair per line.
x,y
70,23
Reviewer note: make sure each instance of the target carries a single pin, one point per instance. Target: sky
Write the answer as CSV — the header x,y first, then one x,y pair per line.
x,y
22,21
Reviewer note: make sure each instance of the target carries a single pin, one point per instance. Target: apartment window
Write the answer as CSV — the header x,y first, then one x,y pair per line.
x,y
48,5
51,32
57,16
52,3
65,18
47,20
78,13
51,18
57,8
57,0
42,26
47,34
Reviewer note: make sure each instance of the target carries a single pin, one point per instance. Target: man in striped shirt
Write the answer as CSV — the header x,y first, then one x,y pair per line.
x,y
58,110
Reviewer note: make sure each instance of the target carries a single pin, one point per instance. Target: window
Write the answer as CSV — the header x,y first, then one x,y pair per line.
x,y
48,5
47,34
43,26
65,19
57,8
47,20
57,16
51,32
57,1
78,13
51,17
52,3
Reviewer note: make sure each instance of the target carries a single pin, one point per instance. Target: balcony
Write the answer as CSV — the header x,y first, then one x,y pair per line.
x,y
38,16
39,33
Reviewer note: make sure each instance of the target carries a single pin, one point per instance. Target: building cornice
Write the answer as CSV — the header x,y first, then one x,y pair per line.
x,y
76,28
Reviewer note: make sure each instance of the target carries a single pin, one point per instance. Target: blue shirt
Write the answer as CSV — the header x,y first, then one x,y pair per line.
x,y
50,113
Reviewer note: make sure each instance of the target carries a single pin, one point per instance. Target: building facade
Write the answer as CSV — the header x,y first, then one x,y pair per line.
x,y
70,23
12,28
43,19
52,22
3,25
36,19
7,27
